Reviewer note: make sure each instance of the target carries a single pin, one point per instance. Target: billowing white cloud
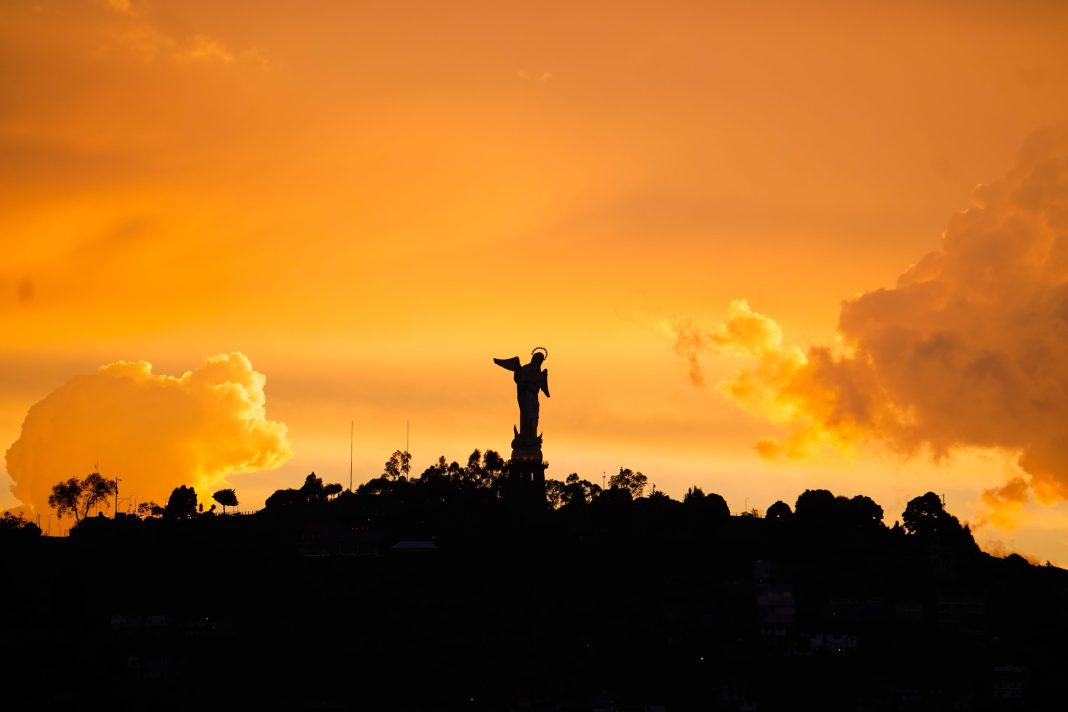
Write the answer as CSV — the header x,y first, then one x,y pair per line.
x,y
152,431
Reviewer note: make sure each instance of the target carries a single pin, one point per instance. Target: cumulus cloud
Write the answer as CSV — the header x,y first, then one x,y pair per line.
x,y
1005,504
822,405
968,349
744,332
153,431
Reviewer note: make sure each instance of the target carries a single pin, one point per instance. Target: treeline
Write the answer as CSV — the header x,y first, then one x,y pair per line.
x,y
480,492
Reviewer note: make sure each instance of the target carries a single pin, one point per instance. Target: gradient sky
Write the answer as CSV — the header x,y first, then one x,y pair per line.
x,y
369,200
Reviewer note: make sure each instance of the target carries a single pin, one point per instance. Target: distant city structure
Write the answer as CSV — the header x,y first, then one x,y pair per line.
x,y
527,468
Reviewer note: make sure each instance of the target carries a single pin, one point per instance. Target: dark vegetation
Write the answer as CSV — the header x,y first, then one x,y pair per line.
x,y
453,589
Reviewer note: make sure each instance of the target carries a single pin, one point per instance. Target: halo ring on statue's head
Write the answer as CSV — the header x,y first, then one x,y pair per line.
x,y
542,350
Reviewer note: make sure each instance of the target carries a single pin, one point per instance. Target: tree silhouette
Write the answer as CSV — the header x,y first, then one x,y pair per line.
x,y
716,506
780,511
815,506
284,498
483,470
79,496
579,492
225,497
438,471
313,490
555,492
398,465
709,507
474,460
182,503
312,487
15,526
633,482
148,509
925,516
493,463
863,512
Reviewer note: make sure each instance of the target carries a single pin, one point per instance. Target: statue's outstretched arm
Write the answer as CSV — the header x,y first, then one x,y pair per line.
x,y
545,382
512,364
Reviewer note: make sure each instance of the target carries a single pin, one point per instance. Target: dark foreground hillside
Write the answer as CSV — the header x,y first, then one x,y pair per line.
x,y
428,595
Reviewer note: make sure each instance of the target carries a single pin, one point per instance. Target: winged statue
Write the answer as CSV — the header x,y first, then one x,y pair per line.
x,y
529,379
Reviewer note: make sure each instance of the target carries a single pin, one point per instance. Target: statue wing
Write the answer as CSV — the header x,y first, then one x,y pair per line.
x,y
512,364
545,382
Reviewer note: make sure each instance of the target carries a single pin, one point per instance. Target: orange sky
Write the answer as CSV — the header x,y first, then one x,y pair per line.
x,y
371,200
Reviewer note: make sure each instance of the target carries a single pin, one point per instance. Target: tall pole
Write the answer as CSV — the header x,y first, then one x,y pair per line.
x,y
116,498
352,429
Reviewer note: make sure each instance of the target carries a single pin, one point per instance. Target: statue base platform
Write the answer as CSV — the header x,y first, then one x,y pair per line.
x,y
526,472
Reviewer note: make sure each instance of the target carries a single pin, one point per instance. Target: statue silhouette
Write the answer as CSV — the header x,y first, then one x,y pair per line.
x,y
529,379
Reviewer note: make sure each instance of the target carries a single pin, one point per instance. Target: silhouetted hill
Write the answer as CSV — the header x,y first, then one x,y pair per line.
x,y
451,591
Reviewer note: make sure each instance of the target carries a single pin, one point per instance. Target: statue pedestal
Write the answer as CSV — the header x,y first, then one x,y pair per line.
x,y
526,472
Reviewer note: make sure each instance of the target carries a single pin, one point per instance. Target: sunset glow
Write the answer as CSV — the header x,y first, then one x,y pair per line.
x,y
743,231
